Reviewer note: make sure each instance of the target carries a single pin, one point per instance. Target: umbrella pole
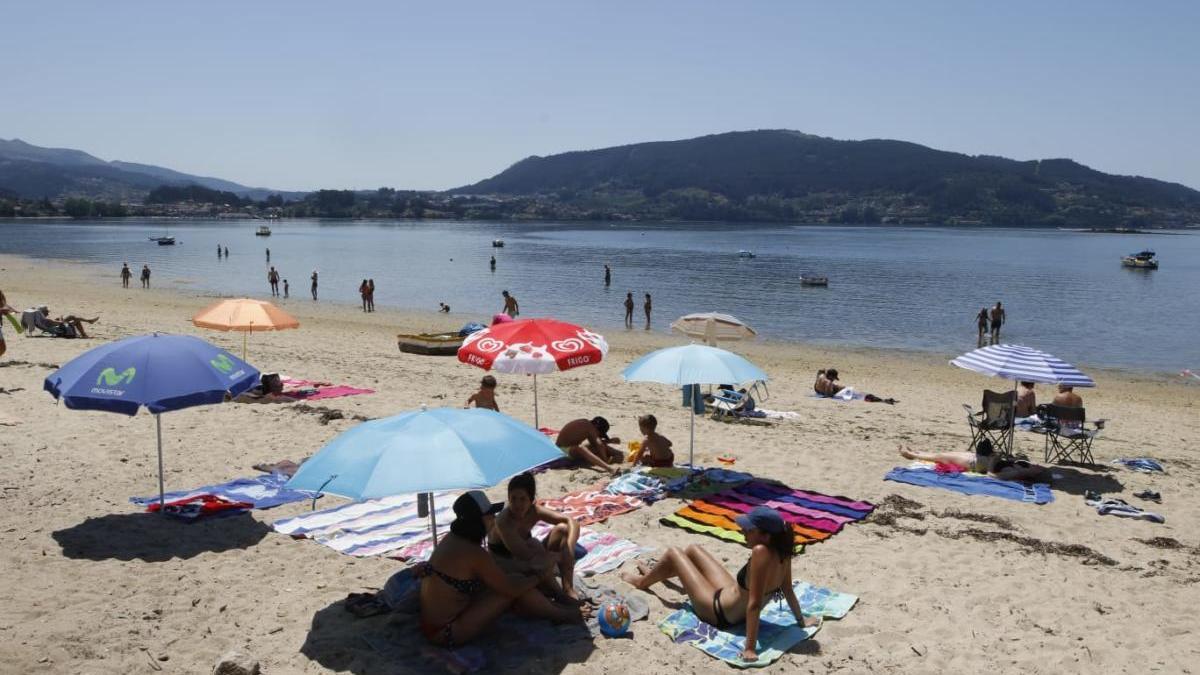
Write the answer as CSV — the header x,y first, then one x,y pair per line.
x,y
692,429
244,345
535,407
161,491
433,518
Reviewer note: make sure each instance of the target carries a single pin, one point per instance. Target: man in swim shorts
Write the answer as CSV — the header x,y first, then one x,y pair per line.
x,y
511,308
997,315
588,441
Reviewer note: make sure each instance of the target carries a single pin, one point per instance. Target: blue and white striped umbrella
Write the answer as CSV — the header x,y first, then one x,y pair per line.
x,y
1022,364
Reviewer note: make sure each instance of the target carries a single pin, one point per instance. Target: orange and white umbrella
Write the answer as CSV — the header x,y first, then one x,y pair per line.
x,y
246,315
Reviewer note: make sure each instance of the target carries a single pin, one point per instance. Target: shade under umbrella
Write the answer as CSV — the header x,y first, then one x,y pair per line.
x,y
246,315
1022,364
159,372
693,364
425,451
532,347
713,327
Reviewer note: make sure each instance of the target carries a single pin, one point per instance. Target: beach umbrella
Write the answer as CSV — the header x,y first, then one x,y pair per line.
x,y
245,315
1022,364
532,347
425,451
695,365
159,372
713,327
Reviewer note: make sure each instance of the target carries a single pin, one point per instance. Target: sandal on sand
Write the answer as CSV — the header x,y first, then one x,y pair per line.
x,y
1150,496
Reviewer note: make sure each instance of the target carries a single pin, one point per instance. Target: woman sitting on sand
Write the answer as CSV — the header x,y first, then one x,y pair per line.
x,y
827,385
510,540
722,599
983,460
462,588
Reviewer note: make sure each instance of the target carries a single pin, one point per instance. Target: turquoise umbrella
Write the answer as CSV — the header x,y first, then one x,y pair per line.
x,y
425,451
693,364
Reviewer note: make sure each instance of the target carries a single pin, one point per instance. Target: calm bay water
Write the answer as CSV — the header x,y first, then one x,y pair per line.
x,y
912,288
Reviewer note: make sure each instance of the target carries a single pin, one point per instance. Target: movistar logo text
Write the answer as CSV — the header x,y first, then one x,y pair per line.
x,y
222,363
110,376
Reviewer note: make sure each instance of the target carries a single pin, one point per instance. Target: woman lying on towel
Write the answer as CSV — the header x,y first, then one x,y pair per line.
x,y
511,541
827,385
719,597
463,590
983,460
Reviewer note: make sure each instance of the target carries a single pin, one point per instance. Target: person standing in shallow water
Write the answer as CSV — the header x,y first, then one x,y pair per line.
x,y
493,263
126,275
646,306
607,275
998,319
370,295
511,308
226,251
981,320
314,284
629,309
268,255
145,276
273,280
362,292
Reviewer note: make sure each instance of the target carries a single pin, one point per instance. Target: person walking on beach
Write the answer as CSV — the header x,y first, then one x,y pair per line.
x,y
145,276
607,276
629,309
981,320
511,307
362,293
126,275
646,306
5,313
997,316
273,279
370,295
286,288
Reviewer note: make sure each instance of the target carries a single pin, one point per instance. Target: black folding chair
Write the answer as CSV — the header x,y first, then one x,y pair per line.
x,y
995,421
1067,437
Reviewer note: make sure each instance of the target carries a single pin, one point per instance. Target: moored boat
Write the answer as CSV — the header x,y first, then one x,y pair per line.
x,y
497,243
746,254
430,344
263,231
813,280
163,241
1144,260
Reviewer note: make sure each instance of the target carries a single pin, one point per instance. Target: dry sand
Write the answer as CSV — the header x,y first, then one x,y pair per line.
x,y
948,583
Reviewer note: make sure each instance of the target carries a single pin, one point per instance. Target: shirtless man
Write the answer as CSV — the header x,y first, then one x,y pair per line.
x,y
997,315
629,309
593,433
273,280
646,306
1067,397
827,384
511,307
1026,400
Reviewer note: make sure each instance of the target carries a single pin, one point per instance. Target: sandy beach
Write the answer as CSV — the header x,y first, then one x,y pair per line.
x,y
947,582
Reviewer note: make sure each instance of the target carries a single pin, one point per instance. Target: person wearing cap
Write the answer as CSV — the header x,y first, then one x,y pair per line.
x,y
463,590
599,452
511,540
723,599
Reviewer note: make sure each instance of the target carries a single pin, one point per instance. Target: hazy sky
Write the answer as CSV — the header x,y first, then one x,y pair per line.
x,y
300,95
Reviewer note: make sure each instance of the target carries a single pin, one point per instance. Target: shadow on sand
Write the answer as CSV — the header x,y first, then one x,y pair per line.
x,y
155,538
1076,482
393,643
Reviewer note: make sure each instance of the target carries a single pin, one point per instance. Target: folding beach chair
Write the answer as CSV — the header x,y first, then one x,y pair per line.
x,y
995,421
1066,434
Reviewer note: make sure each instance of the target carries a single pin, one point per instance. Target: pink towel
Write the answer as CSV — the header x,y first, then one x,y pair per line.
x,y
335,391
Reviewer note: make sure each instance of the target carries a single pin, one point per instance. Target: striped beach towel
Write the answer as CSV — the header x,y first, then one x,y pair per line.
x,y
592,505
386,526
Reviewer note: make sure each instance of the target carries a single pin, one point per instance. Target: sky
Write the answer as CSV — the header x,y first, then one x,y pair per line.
x,y
303,95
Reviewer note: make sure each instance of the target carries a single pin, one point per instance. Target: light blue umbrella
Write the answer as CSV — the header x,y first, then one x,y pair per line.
x,y
424,451
693,364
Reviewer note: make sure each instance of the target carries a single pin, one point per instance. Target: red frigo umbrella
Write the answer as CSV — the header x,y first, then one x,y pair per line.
x,y
532,347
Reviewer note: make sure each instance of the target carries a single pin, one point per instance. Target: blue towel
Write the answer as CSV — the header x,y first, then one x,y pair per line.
x,y
1038,493
263,492
1142,464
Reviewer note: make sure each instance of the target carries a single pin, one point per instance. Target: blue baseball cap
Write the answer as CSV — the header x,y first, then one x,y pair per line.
x,y
761,518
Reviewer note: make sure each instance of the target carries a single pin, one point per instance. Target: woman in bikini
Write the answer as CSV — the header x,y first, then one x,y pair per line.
x,y
463,590
722,599
511,541
983,460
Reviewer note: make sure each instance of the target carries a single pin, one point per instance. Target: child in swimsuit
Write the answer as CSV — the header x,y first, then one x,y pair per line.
x,y
656,448
486,396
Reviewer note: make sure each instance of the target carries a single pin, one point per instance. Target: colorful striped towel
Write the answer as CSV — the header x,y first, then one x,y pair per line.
x,y
813,516
592,505
973,484
777,629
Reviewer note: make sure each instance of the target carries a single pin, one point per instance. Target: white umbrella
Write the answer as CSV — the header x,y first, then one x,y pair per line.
x,y
713,326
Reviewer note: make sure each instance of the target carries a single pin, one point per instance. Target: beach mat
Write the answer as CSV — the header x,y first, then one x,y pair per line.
x,y
592,505
686,483
777,629
309,390
973,484
375,527
261,492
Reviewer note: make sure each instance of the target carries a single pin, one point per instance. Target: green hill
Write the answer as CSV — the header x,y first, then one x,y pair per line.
x,y
791,176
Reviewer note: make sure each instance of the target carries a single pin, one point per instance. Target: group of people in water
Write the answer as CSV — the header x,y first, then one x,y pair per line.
x,y
647,305
127,274
991,319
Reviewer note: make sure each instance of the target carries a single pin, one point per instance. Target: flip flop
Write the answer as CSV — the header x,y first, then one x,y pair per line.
x,y
1150,496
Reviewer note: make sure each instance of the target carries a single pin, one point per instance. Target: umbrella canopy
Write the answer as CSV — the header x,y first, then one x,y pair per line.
x,y
532,347
693,364
425,451
1022,364
160,372
713,327
244,314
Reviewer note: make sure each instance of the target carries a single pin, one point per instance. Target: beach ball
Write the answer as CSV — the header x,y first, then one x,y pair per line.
x,y
614,618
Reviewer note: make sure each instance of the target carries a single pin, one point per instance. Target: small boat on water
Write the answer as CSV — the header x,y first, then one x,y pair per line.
x,y
430,344
497,243
263,231
813,280
746,254
163,241
1144,260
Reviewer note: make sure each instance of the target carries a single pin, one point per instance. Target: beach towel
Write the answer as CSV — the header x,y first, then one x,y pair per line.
x,y
592,505
375,527
1140,464
637,484
686,483
973,484
777,629
261,492
1119,507
193,508
316,391
779,414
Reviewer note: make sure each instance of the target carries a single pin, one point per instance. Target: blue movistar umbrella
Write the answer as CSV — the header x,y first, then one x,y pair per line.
x,y
424,451
159,372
